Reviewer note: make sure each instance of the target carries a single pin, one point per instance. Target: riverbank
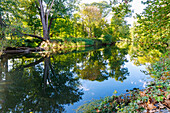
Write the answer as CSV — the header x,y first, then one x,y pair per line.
x,y
29,46
155,98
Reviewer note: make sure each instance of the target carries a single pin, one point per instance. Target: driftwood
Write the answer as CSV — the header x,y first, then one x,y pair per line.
x,y
10,50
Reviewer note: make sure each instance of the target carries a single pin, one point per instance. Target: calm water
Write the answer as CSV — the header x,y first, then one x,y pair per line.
x,y
63,81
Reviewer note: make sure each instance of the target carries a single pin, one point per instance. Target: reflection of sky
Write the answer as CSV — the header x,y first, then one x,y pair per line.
x,y
97,90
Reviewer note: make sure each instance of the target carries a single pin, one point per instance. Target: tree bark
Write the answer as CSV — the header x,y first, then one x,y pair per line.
x,y
49,27
2,25
44,19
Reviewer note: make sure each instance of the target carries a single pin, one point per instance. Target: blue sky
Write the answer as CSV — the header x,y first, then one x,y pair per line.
x,y
136,6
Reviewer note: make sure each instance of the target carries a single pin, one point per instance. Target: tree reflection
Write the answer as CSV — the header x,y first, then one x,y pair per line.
x,y
142,54
36,88
94,67
46,84
100,65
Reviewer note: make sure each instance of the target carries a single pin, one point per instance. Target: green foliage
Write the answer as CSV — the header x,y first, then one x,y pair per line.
x,y
90,22
97,32
3,45
118,27
62,27
96,24
21,17
91,16
89,107
73,42
107,38
151,33
152,28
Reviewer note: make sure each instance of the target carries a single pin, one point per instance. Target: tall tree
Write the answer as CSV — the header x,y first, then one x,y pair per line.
x,y
118,29
45,10
44,14
91,16
151,32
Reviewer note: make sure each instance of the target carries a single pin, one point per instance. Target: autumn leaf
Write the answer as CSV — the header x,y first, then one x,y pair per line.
x,y
161,105
167,95
97,110
150,106
167,102
142,93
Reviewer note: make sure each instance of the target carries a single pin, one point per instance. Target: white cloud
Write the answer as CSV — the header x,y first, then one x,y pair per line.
x,y
84,88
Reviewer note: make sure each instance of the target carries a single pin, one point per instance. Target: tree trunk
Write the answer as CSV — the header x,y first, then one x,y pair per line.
x,y
46,71
2,25
49,27
44,19
90,32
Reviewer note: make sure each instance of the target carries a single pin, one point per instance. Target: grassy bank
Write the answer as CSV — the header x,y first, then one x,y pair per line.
x,y
54,44
78,42
154,98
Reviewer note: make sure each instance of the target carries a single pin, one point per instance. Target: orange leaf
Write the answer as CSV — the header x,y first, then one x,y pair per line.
x,y
167,102
149,100
142,93
97,110
151,106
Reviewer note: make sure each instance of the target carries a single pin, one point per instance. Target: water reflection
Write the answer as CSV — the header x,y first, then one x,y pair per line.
x,y
144,53
47,83
100,65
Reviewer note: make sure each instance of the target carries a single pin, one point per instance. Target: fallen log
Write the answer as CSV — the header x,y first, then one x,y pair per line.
x,y
14,51
10,50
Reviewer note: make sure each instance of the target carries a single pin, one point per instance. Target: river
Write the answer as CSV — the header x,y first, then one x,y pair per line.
x,y
62,81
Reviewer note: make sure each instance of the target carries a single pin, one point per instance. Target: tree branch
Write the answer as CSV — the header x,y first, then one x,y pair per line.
x,y
39,10
49,27
42,13
49,13
35,36
30,65
50,8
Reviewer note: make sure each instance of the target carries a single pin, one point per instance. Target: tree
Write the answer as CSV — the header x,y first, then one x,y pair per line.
x,y
91,16
153,24
44,15
62,27
46,11
151,32
118,27
104,6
